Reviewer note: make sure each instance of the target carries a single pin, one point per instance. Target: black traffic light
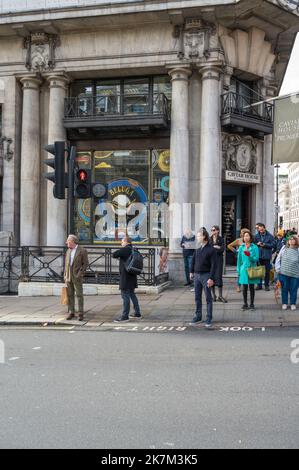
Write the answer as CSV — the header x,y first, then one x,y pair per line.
x,y
82,183
57,163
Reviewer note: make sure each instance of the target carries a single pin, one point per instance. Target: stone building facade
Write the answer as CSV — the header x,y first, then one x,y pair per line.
x,y
156,96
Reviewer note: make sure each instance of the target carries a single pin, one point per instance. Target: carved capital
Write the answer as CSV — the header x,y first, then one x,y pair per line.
x,y
210,71
31,82
58,80
179,73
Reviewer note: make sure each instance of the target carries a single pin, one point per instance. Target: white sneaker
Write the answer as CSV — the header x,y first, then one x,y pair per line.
x,y
284,307
293,307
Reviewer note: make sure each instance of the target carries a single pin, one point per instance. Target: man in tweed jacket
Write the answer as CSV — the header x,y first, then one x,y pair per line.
x,y
76,262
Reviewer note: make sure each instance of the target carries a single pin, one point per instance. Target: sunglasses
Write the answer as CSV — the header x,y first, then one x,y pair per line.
x,y
214,230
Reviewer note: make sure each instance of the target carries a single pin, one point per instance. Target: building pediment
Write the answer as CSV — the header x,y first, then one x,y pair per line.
x,y
248,51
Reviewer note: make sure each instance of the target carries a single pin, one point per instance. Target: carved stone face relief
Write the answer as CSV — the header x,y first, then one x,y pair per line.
x,y
239,153
194,44
39,57
243,157
194,38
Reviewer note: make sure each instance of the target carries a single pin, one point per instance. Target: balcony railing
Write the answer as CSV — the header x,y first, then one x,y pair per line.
x,y
86,107
237,110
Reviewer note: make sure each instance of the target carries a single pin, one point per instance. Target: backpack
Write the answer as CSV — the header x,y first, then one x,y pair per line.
x,y
134,264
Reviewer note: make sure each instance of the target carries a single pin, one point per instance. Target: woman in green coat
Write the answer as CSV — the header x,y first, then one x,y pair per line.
x,y
248,256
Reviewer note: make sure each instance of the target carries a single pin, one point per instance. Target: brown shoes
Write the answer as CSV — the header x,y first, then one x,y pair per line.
x,y
72,316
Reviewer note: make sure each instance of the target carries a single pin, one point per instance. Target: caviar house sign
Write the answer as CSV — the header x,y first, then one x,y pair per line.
x,y
242,177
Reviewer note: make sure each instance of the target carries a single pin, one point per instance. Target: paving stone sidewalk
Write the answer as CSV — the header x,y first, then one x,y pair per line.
x,y
174,306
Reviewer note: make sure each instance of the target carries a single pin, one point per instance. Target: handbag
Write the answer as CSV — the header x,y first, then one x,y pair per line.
x,y
64,296
256,272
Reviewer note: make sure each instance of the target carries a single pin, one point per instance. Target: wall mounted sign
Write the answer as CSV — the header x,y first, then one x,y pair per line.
x,y
242,177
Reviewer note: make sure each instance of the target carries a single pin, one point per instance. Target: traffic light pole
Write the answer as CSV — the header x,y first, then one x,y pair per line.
x,y
70,193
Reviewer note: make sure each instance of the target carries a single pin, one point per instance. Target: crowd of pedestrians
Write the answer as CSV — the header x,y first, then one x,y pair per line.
x,y
258,256
261,259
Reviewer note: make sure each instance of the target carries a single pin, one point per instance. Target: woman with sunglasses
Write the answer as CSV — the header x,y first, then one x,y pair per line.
x,y
217,242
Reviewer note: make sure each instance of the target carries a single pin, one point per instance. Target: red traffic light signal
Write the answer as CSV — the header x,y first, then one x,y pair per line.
x,y
82,175
83,183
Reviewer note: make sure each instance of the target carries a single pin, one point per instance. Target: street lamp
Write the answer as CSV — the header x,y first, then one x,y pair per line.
x,y
276,202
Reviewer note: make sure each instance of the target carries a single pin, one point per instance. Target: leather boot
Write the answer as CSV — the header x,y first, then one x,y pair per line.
x,y
220,296
213,294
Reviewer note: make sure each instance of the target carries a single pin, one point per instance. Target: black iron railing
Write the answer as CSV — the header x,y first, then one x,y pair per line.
x,y
234,103
89,106
10,268
46,264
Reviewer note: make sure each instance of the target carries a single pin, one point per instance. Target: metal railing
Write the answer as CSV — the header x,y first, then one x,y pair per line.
x,y
46,264
89,106
234,103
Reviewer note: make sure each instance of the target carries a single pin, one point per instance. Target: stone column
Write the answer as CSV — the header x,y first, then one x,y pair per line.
x,y
194,137
268,185
210,148
179,167
56,208
258,211
30,162
179,153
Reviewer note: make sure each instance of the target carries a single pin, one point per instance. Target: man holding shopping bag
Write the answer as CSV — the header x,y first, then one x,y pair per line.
x,y
76,262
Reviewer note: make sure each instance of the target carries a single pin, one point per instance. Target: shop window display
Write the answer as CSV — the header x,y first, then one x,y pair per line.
x,y
125,184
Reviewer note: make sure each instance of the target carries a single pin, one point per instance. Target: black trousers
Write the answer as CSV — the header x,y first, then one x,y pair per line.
x,y
252,293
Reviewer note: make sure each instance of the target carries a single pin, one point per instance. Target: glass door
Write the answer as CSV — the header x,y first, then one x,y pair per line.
x,y
108,97
136,96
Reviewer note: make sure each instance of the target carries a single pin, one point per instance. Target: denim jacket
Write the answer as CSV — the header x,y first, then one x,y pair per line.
x,y
269,245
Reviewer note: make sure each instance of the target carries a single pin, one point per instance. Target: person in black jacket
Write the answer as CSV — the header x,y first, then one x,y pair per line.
x,y
203,269
127,282
266,243
217,242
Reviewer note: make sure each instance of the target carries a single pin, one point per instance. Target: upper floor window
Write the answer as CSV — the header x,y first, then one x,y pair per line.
x,y
138,95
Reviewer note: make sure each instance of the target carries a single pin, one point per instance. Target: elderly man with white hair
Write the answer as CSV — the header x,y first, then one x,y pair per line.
x,y
76,262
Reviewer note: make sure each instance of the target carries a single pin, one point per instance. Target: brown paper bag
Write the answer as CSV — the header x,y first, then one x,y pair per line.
x,y
63,298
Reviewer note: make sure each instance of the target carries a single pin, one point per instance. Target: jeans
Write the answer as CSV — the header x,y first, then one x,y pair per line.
x,y
288,285
267,264
187,263
128,294
200,284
